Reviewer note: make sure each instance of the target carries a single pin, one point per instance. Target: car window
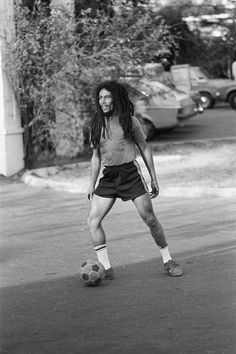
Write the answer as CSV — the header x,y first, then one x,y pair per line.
x,y
198,74
160,93
159,87
135,91
150,90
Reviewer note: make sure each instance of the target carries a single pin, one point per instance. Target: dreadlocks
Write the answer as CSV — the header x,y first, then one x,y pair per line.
x,y
122,105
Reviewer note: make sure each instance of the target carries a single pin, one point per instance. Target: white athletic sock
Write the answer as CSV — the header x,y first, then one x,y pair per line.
x,y
165,254
102,255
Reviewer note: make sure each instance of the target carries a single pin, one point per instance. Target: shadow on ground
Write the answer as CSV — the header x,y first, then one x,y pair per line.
x,y
142,311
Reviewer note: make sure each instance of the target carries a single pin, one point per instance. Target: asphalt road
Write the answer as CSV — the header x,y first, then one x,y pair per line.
x,y
44,239
219,122
45,308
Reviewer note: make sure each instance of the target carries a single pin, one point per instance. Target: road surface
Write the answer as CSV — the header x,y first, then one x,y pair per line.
x,y
45,308
219,122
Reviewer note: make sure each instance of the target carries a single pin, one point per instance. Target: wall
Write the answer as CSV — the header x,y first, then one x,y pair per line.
x,y
11,132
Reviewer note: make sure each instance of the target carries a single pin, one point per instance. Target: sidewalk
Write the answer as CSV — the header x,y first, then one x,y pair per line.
x,y
199,168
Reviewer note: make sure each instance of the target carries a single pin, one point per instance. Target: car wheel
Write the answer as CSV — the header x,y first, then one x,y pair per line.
x,y
148,128
207,100
232,100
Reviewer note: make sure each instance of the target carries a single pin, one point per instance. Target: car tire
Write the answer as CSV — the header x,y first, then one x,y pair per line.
x,y
207,100
232,100
148,128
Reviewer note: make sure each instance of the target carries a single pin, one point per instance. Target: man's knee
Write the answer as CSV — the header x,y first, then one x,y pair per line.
x,y
150,220
93,221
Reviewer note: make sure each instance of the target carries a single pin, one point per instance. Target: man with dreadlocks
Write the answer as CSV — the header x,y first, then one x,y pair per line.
x,y
114,134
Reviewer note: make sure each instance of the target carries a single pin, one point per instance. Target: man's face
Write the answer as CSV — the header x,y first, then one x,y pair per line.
x,y
106,101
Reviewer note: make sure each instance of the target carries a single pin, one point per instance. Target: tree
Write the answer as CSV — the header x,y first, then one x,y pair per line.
x,y
213,54
188,44
57,60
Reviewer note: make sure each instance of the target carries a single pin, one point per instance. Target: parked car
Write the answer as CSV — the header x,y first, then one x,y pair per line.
x,y
211,90
190,103
157,106
153,111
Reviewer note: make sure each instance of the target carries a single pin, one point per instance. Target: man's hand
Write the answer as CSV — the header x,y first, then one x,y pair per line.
x,y
155,189
89,193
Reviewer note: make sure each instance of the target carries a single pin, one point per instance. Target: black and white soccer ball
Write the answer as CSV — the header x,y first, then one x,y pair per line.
x,y
92,272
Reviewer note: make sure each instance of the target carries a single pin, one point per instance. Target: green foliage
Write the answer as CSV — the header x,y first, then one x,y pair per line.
x,y
213,54
56,61
43,67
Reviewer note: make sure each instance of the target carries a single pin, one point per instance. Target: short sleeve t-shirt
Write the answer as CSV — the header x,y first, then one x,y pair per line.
x,y
115,149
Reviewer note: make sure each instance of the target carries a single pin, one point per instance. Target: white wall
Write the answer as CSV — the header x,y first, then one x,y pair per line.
x,y
11,132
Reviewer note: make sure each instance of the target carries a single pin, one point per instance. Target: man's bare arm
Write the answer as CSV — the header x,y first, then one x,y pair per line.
x,y
94,171
147,156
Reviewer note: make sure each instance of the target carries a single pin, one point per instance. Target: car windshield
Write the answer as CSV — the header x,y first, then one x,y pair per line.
x,y
159,87
158,91
137,87
198,73
135,91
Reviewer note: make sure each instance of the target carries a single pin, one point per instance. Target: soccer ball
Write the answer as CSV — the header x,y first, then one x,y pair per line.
x,y
92,272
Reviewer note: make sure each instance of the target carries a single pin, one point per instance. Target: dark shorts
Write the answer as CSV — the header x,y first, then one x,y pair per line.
x,y
122,181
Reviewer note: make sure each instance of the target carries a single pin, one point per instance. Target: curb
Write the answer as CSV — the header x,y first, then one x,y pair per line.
x,y
42,177
198,192
193,143
81,186
73,187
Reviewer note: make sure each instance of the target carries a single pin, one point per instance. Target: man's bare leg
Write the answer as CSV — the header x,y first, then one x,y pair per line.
x,y
145,209
99,208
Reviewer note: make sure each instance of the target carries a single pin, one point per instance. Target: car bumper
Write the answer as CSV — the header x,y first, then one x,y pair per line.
x,y
162,118
187,112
